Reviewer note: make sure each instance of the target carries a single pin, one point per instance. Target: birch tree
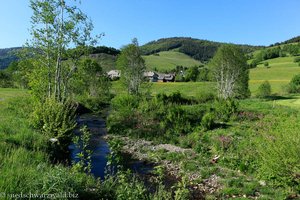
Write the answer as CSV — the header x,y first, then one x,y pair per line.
x,y
132,67
56,27
230,71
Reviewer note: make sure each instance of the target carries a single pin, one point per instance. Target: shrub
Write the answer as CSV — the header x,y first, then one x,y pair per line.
x,y
207,121
123,116
297,59
278,152
125,101
176,121
264,90
224,109
173,98
266,64
205,97
253,64
56,120
294,85
296,80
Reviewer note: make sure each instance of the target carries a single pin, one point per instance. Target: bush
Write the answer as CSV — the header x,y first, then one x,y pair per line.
x,y
294,85
278,152
297,59
176,122
296,80
123,116
224,109
207,121
253,64
264,90
56,120
205,97
173,98
266,64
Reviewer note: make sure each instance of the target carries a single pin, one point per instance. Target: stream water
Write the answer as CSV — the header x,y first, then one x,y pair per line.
x,y
100,148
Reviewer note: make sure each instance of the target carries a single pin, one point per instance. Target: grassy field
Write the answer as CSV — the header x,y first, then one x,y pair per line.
x,y
8,93
168,60
190,89
292,101
279,74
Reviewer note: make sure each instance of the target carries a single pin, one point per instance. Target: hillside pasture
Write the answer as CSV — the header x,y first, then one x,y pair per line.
x,y
168,60
279,73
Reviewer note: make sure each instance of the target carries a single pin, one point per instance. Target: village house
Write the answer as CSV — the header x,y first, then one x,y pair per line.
x,y
114,74
151,76
166,78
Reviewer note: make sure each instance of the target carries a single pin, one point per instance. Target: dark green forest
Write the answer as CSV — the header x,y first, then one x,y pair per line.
x,y
202,50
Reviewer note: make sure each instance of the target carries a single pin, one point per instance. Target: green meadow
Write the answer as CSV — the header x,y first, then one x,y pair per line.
x,y
168,60
279,73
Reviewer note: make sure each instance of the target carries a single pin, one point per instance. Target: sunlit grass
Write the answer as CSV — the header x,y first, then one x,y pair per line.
x,y
168,60
279,73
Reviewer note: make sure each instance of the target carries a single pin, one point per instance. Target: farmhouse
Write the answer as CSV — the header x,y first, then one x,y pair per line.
x,y
166,77
114,74
151,76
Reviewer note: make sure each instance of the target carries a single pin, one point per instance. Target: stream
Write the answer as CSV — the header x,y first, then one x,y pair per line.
x,y
100,148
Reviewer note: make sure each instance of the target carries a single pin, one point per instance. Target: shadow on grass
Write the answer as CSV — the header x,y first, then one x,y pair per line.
x,y
277,97
220,125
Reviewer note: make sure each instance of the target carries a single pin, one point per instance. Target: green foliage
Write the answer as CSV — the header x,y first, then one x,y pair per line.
x,y
264,90
176,121
129,188
230,72
224,109
159,118
123,113
5,79
266,64
57,121
91,85
173,98
56,26
132,67
297,59
25,167
115,156
267,54
104,49
192,74
202,50
292,49
253,64
182,192
296,80
294,85
82,143
279,153
207,121
205,97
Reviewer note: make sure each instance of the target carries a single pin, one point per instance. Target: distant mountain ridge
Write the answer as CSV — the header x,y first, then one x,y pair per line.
x,y
7,56
198,49
202,50
292,40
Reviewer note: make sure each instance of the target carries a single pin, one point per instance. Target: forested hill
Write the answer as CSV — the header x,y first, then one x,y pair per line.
x,y
201,50
7,56
292,40
108,54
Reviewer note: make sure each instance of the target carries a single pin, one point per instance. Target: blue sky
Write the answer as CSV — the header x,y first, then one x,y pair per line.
x,y
256,22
